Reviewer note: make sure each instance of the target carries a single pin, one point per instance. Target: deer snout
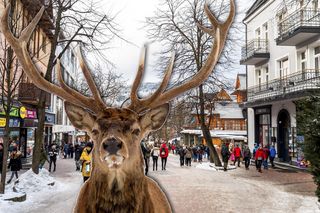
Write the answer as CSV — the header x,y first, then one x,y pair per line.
x,y
112,145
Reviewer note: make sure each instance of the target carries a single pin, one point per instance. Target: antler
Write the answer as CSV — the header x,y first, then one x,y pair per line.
x,y
19,45
219,32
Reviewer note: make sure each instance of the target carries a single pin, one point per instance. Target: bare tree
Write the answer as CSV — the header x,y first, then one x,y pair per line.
x,y
175,27
110,84
82,22
10,77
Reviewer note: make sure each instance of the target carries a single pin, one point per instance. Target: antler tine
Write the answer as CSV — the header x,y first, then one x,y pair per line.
x,y
93,87
142,104
133,95
20,48
219,32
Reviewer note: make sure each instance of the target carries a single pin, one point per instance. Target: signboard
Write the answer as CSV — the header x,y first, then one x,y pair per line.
x,y
14,112
50,118
23,112
13,122
31,114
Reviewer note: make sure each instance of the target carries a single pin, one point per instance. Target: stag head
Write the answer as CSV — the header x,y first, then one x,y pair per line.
x,y
117,132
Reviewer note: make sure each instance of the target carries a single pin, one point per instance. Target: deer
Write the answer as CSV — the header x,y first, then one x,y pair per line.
x,y
118,182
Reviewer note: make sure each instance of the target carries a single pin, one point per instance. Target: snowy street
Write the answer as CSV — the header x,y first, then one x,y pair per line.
x,y
193,189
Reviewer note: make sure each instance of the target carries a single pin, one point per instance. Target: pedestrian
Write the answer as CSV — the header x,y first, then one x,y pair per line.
x,y
182,153
53,152
71,150
77,155
247,157
164,152
194,153
272,155
200,154
255,148
231,150
237,155
85,158
259,158
145,152
173,148
225,153
266,156
1,157
188,156
43,158
14,163
65,150
155,152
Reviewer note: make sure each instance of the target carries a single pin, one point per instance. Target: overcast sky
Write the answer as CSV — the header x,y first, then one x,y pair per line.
x,y
130,17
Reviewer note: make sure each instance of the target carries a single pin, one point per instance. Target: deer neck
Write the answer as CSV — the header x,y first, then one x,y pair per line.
x,y
117,191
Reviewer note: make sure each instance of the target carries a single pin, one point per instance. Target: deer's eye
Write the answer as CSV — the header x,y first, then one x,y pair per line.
x,y
94,132
136,132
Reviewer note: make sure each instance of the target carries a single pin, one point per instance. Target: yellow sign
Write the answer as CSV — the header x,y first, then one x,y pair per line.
x,y
23,112
2,122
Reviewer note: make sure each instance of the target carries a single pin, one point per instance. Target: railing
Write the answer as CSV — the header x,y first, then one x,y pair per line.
x,y
253,47
300,18
295,82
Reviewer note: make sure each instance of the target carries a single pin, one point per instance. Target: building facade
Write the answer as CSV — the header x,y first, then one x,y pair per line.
x,y
282,56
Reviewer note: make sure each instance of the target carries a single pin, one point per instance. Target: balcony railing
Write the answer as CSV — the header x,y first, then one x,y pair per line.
x,y
29,94
295,84
301,21
255,51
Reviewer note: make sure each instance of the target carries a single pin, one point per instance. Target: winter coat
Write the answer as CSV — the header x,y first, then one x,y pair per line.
x,y
155,152
237,152
259,154
246,153
164,151
273,152
182,152
188,153
86,160
266,153
77,152
53,154
15,161
225,153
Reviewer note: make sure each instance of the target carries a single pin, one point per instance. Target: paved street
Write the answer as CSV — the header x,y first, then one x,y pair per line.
x,y
197,190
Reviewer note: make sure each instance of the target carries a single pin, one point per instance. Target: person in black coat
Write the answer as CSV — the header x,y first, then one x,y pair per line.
x,y
77,154
53,157
14,163
1,157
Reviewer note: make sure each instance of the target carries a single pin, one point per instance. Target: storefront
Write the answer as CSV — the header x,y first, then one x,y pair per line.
x,y
263,125
28,129
14,124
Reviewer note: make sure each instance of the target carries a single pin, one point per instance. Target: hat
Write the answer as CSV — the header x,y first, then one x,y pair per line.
x,y
89,144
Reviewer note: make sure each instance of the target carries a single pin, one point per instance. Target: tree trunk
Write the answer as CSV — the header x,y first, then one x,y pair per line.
x,y
39,133
5,153
214,157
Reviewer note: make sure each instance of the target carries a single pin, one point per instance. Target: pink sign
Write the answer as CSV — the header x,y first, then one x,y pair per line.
x,y
31,114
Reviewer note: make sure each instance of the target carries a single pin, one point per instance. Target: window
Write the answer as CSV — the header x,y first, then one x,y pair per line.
x,y
258,73
283,67
303,61
258,37
315,5
265,28
59,105
317,60
267,77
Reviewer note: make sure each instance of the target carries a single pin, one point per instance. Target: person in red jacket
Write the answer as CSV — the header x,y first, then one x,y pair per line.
x,y
237,155
164,152
259,157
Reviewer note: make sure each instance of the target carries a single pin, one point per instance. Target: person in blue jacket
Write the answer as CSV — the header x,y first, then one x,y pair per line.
x,y
272,155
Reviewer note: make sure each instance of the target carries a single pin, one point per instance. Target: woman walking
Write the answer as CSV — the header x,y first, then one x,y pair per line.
x,y
14,163
155,152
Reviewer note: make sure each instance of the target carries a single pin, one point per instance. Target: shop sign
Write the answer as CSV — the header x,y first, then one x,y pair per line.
x,y
23,112
31,114
262,111
13,122
14,112
50,118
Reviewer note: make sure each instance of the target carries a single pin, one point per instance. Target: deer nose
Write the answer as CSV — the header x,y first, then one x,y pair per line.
x,y
112,145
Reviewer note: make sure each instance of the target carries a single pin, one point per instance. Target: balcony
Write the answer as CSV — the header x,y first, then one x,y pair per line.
x,y
29,94
295,85
256,52
299,27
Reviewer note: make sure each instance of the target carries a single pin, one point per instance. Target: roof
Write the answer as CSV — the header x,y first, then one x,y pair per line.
x,y
228,110
223,134
256,5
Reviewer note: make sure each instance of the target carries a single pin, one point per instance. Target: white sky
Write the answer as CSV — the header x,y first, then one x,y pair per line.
x,y
131,16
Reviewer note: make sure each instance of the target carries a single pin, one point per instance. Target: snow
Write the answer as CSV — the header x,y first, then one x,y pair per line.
x,y
212,167
37,189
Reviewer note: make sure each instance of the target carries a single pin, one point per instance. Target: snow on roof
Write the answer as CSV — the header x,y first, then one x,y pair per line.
x,y
223,134
228,110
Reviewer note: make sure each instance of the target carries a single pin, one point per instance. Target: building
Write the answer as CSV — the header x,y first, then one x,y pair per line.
x,y
23,121
282,55
224,117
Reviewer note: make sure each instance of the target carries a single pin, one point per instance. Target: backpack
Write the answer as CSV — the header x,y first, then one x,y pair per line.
x,y
163,151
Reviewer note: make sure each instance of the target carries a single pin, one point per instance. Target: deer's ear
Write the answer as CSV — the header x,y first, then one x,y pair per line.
x,y
154,118
79,117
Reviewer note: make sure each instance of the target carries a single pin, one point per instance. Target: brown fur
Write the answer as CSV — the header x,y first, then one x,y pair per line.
x,y
124,188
